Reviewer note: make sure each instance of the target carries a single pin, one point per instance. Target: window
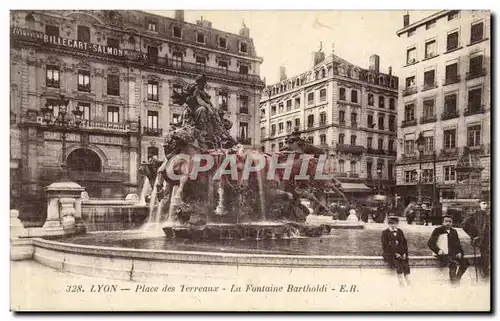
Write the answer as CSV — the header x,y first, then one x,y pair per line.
x,y
428,108
450,138
310,121
411,55
52,31
428,144
273,110
153,152
297,122
341,139
131,41
200,37
83,34
281,108
322,95
370,121
243,70
369,167
380,144
452,15
341,116
410,82
113,114
409,177
177,58
262,113
310,98
84,80
53,76
223,64
280,127
353,140
322,139
475,99
392,103
474,135
354,119
450,103
451,74
429,79
297,102
476,65
430,49
113,84
452,41
177,32
353,167
409,112
409,147
428,175
201,60
273,129
342,93
262,131
322,118
354,96
370,99
381,101
152,119
381,119
476,32
430,24
243,131
152,52
244,104
288,125
223,100
152,26
341,165
153,90
449,173
390,147
390,170
113,43
273,147
392,123
178,89
369,142
243,47
222,42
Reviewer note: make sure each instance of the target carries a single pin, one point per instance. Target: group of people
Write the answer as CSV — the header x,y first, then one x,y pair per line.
x,y
445,243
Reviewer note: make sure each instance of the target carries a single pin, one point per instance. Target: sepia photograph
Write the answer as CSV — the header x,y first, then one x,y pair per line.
x,y
245,160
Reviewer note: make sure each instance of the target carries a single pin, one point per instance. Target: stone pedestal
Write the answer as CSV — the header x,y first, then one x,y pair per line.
x,y
64,209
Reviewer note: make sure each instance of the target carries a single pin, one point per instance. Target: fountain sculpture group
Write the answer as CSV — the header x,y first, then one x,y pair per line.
x,y
218,203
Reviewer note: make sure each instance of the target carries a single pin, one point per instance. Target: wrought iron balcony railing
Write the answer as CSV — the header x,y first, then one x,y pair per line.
x,y
356,149
408,123
410,91
429,86
475,73
451,80
427,119
244,140
152,131
449,115
473,110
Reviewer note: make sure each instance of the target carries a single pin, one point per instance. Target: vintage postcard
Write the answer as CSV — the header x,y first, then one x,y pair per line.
x,y
250,160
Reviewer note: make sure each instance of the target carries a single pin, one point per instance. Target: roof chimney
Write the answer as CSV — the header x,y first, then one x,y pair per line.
x,y
318,56
282,73
179,15
374,64
406,20
204,23
390,71
244,31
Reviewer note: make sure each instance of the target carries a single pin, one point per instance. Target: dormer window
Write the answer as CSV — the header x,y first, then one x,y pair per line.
x,y
177,32
243,47
223,43
152,26
200,37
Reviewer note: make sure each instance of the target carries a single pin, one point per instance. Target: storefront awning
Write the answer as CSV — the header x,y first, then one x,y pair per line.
x,y
355,188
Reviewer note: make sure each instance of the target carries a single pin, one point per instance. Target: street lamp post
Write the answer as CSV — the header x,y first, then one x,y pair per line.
x,y
65,124
420,146
379,173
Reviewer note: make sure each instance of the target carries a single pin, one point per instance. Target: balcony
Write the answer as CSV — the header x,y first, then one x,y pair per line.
x,y
243,110
428,119
451,80
449,151
103,125
244,140
322,124
84,88
427,155
450,115
51,83
479,72
272,134
370,150
354,149
381,151
342,123
341,174
354,124
353,175
474,110
408,123
409,156
152,131
429,86
409,91
391,152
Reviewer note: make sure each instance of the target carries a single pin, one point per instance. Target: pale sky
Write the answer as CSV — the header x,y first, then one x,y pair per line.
x,y
288,37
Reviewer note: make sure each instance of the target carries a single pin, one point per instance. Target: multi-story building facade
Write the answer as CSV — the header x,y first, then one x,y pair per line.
x,y
120,68
348,110
445,97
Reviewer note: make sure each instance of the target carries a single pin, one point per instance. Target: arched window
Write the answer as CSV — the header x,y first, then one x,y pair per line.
x,y
84,159
370,99
152,151
131,41
341,139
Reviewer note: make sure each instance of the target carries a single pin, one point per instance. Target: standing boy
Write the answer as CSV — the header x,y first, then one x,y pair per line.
x,y
395,249
445,243
477,226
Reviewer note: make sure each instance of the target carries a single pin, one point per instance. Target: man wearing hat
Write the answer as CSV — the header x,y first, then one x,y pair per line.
x,y
395,250
477,226
445,243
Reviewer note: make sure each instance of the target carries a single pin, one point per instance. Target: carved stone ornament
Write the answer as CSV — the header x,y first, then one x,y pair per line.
x,y
177,48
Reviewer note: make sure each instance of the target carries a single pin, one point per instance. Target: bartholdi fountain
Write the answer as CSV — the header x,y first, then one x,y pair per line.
x,y
220,201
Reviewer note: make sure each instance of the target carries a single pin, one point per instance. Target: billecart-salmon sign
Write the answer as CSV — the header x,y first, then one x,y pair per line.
x,y
70,43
